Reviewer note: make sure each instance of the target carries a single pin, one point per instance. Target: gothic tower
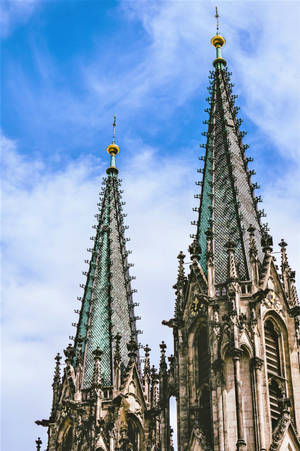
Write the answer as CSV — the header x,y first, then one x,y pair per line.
x,y
236,367
235,372
103,401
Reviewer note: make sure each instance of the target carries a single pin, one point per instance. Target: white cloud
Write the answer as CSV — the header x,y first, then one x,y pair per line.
x,y
14,12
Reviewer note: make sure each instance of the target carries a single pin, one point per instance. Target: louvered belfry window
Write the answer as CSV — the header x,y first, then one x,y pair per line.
x,y
274,369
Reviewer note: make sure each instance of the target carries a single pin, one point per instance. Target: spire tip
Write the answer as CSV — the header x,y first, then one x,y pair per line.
x,y
218,41
217,17
113,150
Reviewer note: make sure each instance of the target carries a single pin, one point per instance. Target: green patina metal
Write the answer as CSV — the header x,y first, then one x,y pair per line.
x,y
227,204
99,326
205,215
107,306
112,160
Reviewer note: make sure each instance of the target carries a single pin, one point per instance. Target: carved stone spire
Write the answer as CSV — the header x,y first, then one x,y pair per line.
x,y
107,304
132,350
154,388
56,385
288,276
97,377
267,247
195,250
227,201
69,354
254,263
210,263
232,271
38,444
117,363
180,275
147,373
147,360
179,284
162,363
284,265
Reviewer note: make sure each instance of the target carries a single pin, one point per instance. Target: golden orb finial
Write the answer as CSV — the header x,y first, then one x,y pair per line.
x,y
218,41
113,149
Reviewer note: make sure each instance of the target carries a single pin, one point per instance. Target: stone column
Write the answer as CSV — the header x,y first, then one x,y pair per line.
x,y
241,444
182,415
256,368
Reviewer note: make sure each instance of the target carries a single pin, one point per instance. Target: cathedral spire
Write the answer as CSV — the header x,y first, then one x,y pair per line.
x,y
107,306
228,205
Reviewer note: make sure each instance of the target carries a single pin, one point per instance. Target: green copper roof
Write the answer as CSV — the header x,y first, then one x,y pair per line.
x,y
227,205
107,306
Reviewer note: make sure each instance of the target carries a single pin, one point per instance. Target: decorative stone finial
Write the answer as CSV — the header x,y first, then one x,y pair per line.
x,y
69,353
267,243
195,249
181,258
79,350
117,355
163,365
56,378
230,245
97,353
38,444
232,271
252,244
147,359
97,379
282,244
132,349
147,350
209,246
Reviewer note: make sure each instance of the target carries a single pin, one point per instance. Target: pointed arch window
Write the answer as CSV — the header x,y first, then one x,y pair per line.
x,y
275,371
201,379
134,433
67,440
203,359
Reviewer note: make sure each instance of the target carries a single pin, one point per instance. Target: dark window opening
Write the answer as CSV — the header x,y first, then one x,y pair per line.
x,y
68,440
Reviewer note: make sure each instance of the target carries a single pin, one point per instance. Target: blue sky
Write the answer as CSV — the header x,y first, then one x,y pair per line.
x,y
67,68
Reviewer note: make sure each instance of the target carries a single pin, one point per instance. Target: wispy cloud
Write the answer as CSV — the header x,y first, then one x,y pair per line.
x,y
15,12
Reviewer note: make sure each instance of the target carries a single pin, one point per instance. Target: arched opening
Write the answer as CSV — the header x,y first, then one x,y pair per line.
x,y
135,433
65,436
203,361
275,370
247,391
272,349
201,380
173,423
67,440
